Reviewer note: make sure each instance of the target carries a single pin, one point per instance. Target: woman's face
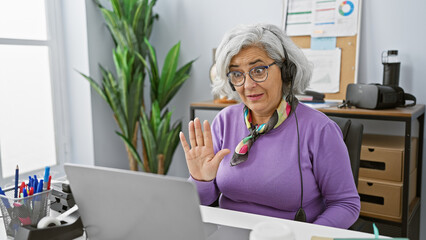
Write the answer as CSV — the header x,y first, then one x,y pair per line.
x,y
264,97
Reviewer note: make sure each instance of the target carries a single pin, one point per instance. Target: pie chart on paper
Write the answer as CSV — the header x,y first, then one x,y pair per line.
x,y
346,8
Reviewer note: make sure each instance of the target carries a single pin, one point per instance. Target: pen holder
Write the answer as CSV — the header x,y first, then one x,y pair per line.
x,y
19,212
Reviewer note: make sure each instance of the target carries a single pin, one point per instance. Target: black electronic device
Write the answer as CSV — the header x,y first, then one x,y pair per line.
x,y
61,198
310,96
376,96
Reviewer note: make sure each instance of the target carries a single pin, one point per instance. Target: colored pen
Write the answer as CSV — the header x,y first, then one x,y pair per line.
x,y
16,181
31,191
21,188
48,183
46,177
30,181
40,187
25,197
35,184
5,200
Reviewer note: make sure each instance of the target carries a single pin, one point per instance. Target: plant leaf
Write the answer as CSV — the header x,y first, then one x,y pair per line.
x,y
131,148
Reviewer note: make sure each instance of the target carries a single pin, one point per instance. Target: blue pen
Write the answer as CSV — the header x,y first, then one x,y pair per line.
x,y
39,190
35,182
40,187
25,197
5,200
16,181
46,177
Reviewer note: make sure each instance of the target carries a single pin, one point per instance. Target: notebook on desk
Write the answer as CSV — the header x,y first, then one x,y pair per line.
x,y
122,204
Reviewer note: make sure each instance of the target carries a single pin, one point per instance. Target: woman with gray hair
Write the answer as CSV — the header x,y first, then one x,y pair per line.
x,y
288,160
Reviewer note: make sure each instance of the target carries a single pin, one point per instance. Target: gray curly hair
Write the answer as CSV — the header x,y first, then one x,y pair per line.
x,y
272,39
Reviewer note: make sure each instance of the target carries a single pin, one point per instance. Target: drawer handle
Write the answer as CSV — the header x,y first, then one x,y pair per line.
x,y
372,165
372,199
371,149
370,184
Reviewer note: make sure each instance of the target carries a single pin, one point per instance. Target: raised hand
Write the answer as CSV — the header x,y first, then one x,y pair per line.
x,y
200,158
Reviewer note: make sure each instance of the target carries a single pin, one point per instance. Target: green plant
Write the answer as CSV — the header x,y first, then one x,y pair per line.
x,y
130,23
123,94
160,139
165,86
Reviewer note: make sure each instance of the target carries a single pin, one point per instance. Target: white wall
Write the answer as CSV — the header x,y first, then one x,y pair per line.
x,y
199,25
92,127
78,91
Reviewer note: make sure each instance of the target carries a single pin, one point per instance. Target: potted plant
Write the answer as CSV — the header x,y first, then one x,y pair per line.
x,y
130,23
160,138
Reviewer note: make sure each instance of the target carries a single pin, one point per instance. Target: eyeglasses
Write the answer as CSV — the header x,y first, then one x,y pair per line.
x,y
257,74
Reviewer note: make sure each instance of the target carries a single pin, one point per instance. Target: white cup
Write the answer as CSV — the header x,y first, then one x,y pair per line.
x,y
271,231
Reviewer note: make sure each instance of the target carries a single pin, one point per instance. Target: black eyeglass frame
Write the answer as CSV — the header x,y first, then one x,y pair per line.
x,y
249,73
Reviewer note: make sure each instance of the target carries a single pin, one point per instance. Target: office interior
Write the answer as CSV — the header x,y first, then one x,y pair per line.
x,y
199,26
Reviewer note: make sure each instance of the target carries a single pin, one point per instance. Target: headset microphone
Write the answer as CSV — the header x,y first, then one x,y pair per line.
x,y
232,85
288,72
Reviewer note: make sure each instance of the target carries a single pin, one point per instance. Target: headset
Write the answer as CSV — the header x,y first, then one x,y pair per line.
x,y
288,73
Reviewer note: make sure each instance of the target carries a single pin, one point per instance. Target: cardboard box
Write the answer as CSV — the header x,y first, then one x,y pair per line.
x,y
380,199
382,157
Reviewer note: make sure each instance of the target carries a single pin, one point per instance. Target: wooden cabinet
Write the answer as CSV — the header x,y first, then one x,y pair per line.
x,y
381,176
400,181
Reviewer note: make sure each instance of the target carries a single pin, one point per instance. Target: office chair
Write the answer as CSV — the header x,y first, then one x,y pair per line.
x,y
352,135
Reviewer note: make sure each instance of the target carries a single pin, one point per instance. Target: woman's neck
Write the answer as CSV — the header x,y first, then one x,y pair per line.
x,y
260,119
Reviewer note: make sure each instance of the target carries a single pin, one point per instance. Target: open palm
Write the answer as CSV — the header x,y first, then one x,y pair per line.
x,y
200,158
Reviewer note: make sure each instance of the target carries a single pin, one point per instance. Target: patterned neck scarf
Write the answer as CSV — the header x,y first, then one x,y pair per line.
x,y
278,117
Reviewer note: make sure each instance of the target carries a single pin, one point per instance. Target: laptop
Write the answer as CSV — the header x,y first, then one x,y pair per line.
x,y
122,204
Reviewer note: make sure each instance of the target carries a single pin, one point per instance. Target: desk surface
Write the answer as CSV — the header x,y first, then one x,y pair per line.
x,y
397,112
302,231
394,112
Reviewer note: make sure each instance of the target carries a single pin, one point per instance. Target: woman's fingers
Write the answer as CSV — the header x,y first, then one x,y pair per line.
x,y
207,134
191,131
219,157
184,143
198,132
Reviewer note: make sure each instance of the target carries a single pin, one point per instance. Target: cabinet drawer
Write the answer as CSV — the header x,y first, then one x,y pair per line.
x,y
380,199
381,163
382,157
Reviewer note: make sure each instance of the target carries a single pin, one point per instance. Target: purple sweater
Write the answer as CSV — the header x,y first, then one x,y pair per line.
x,y
268,183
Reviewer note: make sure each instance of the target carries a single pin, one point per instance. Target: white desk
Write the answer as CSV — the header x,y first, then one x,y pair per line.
x,y
302,231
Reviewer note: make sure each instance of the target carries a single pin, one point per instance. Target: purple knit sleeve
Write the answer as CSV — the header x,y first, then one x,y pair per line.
x,y
207,191
332,170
